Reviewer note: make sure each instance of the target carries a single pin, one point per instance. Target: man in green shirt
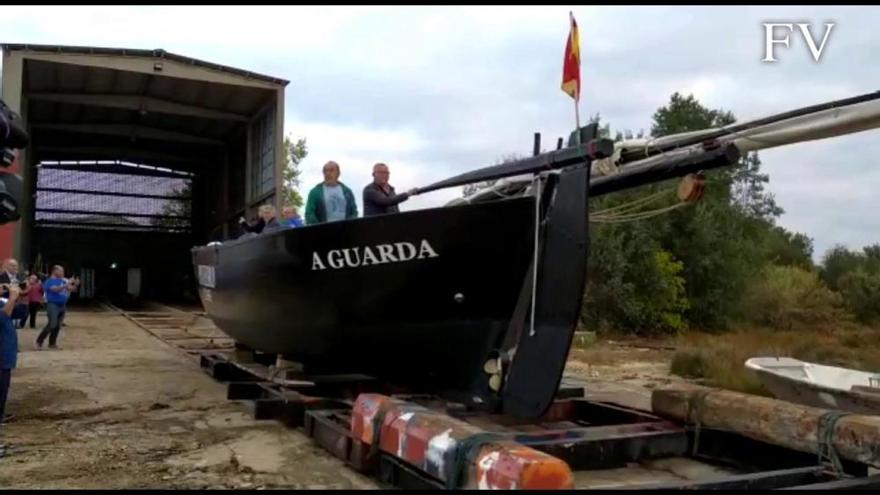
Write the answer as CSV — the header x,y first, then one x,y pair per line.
x,y
331,200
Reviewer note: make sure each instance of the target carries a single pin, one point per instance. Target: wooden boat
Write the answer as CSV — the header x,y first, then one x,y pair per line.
x,y
818,385
476,302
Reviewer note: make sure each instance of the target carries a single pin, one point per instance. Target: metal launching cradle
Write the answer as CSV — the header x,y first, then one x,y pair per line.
x,y
585,436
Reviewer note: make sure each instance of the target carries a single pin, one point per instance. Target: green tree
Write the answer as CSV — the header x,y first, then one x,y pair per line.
x,y
632,284
720,243
748,191
683,114
786,248
294,154
861,292
837,262
857,276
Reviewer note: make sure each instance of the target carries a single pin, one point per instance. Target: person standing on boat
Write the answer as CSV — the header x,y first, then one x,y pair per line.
x,y
379,196
331,200
251,228
267,215
265,219
290,217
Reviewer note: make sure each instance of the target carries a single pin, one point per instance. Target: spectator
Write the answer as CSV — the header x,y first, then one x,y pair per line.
x,y
379,196
251,228
57,290
8,347
290,217
331,200
267,215
34,299
265,218
11,276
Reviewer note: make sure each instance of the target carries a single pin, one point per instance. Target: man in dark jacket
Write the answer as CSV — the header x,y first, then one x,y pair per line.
x,y
9,275
267,215
379,196
266,221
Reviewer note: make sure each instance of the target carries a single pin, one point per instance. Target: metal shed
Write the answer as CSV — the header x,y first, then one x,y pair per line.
x,y
135,157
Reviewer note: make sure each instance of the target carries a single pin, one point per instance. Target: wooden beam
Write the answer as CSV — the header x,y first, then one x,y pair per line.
x,y
150,65
135,102
777,422
136,131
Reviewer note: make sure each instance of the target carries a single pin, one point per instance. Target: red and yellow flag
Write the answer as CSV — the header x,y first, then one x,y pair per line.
x,y
571,66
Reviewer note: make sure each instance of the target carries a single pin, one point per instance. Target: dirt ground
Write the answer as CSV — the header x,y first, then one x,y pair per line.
x,y
116,408
624,372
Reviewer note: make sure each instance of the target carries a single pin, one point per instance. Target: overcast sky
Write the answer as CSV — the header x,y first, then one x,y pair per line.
x,y
434,91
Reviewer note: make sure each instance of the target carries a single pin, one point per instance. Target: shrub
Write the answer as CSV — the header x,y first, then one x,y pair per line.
x,y
689,364
785,296
861,293
633,285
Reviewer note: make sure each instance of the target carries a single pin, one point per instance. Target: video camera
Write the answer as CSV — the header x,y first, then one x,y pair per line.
x,y
23,286
12,137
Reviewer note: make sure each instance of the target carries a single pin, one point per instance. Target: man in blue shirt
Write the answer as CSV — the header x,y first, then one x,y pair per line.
x,y
57,290
8,345
290,218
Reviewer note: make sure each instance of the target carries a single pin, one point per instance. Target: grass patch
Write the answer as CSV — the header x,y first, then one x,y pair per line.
x,y
584,339
719,359
689,364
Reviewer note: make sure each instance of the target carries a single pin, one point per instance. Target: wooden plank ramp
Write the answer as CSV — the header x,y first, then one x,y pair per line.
x,y
189,332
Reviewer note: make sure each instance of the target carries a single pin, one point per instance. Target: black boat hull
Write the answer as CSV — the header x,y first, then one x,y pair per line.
x,y
428,305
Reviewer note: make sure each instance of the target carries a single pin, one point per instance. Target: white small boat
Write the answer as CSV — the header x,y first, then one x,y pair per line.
x,y
817,385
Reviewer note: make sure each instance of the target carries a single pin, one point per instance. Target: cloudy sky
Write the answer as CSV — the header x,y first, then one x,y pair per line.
x,y
434,91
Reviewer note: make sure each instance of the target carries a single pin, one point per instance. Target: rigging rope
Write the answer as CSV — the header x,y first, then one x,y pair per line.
x,y
625,213
633,204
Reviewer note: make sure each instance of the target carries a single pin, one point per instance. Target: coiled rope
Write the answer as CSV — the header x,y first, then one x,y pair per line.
x,y
825,439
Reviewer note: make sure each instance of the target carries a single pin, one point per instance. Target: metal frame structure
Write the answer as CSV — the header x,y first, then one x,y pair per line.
x,y
587,435
144,106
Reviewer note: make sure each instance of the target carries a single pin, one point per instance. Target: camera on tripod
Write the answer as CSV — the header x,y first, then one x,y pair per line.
x,y
12,137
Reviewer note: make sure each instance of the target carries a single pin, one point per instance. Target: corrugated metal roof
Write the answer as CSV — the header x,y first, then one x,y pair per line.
x,y
128,52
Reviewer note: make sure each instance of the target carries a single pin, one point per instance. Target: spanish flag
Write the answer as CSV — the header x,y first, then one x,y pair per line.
x,y
571,66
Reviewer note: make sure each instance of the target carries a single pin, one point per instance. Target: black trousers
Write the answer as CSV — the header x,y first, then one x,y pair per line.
x,y
5,375
33,308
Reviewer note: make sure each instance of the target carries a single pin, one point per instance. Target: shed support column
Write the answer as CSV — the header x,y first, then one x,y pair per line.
x,y
11,241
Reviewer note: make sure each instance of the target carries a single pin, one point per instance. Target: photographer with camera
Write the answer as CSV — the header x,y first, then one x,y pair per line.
x,y
57,290
10,275
12,137
8,345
